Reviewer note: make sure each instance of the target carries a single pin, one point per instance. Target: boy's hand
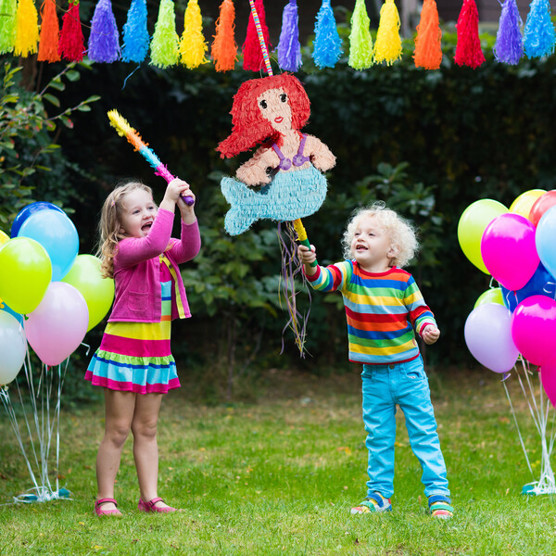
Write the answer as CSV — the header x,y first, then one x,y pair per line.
x,y
430,334
306,255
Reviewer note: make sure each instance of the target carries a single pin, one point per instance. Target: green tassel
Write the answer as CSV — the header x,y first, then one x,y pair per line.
x,y
164,44
360,40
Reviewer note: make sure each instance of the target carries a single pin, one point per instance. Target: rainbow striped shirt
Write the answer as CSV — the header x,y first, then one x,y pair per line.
x,y
382,310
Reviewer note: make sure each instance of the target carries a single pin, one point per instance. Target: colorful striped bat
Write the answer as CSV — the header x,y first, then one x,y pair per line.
x,y
123,128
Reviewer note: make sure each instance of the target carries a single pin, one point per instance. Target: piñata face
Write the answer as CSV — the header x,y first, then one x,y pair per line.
x,y
275,108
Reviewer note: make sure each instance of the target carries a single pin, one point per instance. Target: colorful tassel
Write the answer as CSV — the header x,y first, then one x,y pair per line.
x,y
50,33
327,47
509,42
136,35
192,45
71,46
388,44
539,35
252,53
468,48
360,40
428,42
103,40
224,47
26,28
165,41
289,49
8,9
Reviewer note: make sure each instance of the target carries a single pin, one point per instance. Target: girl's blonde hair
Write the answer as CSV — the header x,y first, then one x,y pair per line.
x,y
110,224
400,231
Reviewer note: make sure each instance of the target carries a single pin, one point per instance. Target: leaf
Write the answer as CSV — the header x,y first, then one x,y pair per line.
x,y
52,99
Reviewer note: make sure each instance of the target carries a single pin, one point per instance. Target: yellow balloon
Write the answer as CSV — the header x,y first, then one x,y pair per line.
x,y
85,276
472,224
25,272
523,204
4,238
492,295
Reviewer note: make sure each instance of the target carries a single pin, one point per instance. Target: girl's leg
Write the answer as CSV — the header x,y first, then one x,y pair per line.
x,y
145,445
119,408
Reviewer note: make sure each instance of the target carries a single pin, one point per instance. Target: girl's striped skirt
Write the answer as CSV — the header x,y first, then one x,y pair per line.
x,y
136,356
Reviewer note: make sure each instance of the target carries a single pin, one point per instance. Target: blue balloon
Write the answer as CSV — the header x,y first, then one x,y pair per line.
x,y
27,211
544,239
57,234
4,307
541,283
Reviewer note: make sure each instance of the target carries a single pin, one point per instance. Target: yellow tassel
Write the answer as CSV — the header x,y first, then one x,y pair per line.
x,y
26,29
192,43
388,44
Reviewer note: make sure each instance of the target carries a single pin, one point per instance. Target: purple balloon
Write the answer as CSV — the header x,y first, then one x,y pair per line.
x,y
489,339
508,250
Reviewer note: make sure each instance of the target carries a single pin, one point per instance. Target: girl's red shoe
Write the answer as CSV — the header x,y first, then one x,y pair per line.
x,y
99,510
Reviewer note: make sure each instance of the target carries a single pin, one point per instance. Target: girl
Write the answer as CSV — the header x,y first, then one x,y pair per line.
x,y
134,364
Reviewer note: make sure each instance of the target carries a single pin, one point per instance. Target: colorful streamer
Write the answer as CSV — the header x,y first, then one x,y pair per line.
x,y
257,42
428,47
192,46
509,42
26,28
327,47
8,9
165,41
289,49
360,40
539,36
50,33
136,36
104,45
224,47
468,48
71,46
388,44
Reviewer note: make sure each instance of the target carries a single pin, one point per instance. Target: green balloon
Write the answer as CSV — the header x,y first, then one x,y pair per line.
x,y
472,224
98,292
25,272
492,295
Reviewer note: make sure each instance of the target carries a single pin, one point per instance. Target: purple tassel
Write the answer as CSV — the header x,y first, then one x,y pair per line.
x,y
509,41
103,40
289,49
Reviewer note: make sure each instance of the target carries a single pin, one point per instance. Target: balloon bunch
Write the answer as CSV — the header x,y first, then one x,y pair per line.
x,y
49,295
517,248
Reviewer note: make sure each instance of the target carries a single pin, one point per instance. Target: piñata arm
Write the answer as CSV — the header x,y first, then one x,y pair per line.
x,y
123,128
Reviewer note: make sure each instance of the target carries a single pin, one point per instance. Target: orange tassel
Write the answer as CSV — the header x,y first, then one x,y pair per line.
x,y
50,33
224,47
428,49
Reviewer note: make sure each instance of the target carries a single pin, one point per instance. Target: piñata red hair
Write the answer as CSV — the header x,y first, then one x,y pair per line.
x,y
249,127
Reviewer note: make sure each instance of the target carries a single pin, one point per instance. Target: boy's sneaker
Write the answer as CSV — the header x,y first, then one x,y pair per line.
x,y
440,506
374,503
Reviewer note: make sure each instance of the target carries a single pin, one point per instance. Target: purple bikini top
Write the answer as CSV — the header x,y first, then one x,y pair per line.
x,y
298,159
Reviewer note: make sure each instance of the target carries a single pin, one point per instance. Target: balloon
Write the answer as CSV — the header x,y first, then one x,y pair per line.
x,y
541,205
57,234
27,211
25,272
548,380
534,329
523,204
13,347
509,251
472,223
4,307
488,336
544,240
492,295
98,291
4,238
541,283
58,325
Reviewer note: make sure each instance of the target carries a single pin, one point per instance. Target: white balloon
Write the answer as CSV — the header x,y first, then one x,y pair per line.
x,y
13,346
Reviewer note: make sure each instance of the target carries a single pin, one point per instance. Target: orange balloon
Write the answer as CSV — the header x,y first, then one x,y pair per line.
x,y
541,205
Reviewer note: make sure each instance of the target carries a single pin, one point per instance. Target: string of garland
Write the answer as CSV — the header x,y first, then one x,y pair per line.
x,y
19,34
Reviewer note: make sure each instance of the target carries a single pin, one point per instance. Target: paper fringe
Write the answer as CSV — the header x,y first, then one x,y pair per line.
x,y
360,40
289,49
8,9
468,48
71,46
509,42
50,33
192,46
252,53
539,35
26,29
428,42
388,44
165,41
136,35
224,47
103,41
327,47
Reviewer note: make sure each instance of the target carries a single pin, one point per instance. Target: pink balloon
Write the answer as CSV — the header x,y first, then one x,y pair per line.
x,y
548,380
489,339
534,329
58,325
508,250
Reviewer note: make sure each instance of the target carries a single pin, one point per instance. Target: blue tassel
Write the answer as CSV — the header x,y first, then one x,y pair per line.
x,y
539,35
327,47
509,42
136,35
103,40
289,49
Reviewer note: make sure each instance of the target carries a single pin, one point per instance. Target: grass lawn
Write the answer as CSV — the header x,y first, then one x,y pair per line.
x,y
279,477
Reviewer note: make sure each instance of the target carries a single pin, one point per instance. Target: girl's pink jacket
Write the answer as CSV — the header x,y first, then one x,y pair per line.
x,y
137,270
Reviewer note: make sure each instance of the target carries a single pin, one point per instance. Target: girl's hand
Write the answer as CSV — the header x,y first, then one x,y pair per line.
x,y
307,256
430,334
173,192
187,211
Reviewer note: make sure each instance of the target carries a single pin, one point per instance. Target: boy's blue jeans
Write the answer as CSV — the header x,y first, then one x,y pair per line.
x,y
406,385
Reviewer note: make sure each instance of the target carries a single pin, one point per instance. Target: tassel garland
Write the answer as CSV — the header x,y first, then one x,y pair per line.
x,y
50,33
468,48
71,46
289,49
428,47
224,47
8,9
136,35
360,40
327,47
539,35
509,42
165,41
192,45
388,45
26,28
103,40
252,53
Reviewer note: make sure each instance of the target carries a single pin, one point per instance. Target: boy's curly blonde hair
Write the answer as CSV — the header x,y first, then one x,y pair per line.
x,y
110,224
400,231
